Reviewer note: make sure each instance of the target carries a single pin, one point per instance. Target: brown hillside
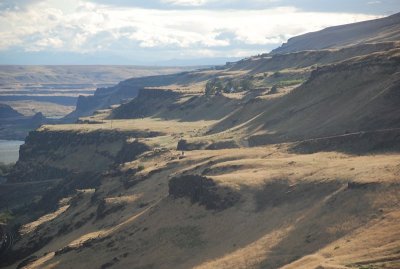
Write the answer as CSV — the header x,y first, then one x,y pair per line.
x,y
360,94
379,30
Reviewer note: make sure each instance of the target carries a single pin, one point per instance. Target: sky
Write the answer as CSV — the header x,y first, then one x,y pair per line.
x,y
165,32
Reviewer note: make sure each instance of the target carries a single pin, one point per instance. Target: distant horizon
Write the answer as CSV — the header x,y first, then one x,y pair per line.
x,y
164,32
165,64
130,65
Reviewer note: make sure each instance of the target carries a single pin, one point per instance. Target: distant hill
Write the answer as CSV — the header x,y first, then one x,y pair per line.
x,y
16,126
53,90
379,30
7,112
331,45
78,74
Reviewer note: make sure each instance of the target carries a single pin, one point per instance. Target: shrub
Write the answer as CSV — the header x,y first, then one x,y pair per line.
x,y
6,216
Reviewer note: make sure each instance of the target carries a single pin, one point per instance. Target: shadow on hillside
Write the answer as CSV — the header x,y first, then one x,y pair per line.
x,y
381,141
169,105
320,213
327,212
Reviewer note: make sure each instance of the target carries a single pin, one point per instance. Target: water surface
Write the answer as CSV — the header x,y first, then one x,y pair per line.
x,y
9,150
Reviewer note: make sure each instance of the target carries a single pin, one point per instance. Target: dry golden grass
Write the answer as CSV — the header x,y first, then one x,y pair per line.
x,y
30,108
30,227
155,229
319,211
146,124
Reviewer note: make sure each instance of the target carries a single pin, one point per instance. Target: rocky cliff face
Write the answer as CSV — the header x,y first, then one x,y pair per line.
x,y
7,112
202,190
15,126
50,154
125,90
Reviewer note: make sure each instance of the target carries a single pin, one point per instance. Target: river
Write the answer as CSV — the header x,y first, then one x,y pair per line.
x,y
9,151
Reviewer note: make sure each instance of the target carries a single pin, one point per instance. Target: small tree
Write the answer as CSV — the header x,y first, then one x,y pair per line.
x,y
219,86
210,90
277,74
246,84
228,86
214,86
273,90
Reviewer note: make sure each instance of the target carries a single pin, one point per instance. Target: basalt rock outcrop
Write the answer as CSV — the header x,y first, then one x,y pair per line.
x,y
130,151
52,154
204,191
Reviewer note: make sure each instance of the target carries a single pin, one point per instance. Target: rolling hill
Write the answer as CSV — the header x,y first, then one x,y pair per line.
x,y
379,30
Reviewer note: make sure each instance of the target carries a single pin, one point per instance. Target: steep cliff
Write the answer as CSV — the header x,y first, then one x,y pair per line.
x,y
129,89
54,154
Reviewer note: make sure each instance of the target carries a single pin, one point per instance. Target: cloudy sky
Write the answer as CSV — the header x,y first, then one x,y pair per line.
x,y
165,32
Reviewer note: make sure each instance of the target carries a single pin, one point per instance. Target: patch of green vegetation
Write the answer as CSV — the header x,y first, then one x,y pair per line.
x,y
277,74
6,216
229,85
181,236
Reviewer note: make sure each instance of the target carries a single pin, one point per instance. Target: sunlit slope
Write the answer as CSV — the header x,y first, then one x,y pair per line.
x,y
379,30
299,211
360,94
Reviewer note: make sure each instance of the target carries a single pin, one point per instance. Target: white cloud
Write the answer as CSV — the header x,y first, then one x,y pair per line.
x,y
81,26
186,2
44,43
374,2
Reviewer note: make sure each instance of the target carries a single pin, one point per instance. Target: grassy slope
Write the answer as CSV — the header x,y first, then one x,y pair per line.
x,y
356,95
319,220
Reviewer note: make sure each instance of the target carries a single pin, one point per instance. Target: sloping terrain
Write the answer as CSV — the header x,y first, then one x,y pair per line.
x,y
257,208
14,125
8,112
128,89
311,58
54,90
379,30
361,94
62,85
83,74
328,46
